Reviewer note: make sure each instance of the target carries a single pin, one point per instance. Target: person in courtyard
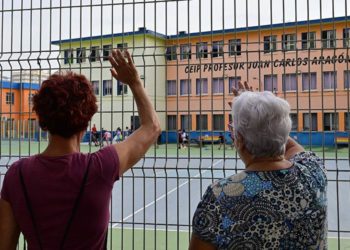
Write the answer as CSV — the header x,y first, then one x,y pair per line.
x,y
118,135
126,132
221,140
107,137
179,138
279,201
60,198
184,138
94,136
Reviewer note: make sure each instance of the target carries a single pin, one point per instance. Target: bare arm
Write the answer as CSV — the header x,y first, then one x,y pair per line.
x,y
197,243
9,230
131,150
292,148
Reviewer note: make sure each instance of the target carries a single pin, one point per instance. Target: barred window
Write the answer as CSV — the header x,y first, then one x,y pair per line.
x,y
270,44
185,87
308,40
96,87
309,81
10,98
68,56
330,80
328,39
201,86
171,53
310,121
294,118
202,122
81,55
171,87
185,51
94,53
289,42
218,122
218,49
330,121
270,83
107,87
122,89
218,85
289,82
107,51
235,47
202,50
186,122
233,83
171,122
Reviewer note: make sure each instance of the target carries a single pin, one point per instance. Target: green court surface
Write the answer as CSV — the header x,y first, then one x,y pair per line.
x,y
139,239
24,148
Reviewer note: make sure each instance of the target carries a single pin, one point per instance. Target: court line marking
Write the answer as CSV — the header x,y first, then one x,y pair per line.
x,y
168,193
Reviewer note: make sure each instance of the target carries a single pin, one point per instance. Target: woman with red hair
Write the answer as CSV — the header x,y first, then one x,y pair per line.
x,y
59,199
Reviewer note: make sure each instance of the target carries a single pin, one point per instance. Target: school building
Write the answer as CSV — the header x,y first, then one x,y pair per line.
x,y
116,106
307,63
188,76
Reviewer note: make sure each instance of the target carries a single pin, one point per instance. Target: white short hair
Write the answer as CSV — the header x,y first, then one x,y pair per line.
x,y
262,119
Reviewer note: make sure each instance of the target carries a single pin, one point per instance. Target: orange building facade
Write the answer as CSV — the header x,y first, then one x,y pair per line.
x,y
306,63
17,118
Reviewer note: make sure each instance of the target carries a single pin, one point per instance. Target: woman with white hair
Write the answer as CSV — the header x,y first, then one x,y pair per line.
x,y
279,200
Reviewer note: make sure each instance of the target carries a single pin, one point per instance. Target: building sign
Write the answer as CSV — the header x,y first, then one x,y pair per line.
x,y
210,67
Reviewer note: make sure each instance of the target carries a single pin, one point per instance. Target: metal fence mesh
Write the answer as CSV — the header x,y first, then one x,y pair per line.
x,y
189,54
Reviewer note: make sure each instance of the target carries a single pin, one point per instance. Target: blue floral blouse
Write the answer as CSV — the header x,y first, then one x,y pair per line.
x,y
282,209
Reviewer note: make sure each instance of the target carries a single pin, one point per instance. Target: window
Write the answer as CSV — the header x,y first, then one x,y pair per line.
x,y
94,53
171,122
68,56
202,122
107,50
171,53
185,87
218,122
330,80
81,55
122,46
233,82
218,85
270,44
96,87
186,122
330,121
328,39
201,86
202,50
308,40
346,79
289,82
346,38
122,89
347,120
270,83
309,81
310,121
171,87
289,42
185,51
218,49
235,47
107,87
294,118
10,98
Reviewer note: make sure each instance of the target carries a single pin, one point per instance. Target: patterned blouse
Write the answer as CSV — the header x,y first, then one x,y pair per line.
x,y
281,209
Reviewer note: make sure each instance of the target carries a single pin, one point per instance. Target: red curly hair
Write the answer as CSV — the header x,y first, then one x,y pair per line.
x,y
65,104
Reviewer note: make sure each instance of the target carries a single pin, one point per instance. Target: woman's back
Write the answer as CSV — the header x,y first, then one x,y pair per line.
x,y
281,209
53,184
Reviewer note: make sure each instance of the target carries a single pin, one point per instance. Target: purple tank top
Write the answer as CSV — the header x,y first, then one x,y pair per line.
x,y
53,184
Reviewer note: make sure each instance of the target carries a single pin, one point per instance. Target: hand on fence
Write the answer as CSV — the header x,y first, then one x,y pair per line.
x,y
123,69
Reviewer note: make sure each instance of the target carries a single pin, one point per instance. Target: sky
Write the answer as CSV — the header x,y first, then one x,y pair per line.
x,y
27,27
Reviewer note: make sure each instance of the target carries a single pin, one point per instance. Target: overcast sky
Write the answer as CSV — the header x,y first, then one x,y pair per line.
x,y
31,25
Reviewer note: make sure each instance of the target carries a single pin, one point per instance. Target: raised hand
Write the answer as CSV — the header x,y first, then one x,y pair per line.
x,y
123,69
